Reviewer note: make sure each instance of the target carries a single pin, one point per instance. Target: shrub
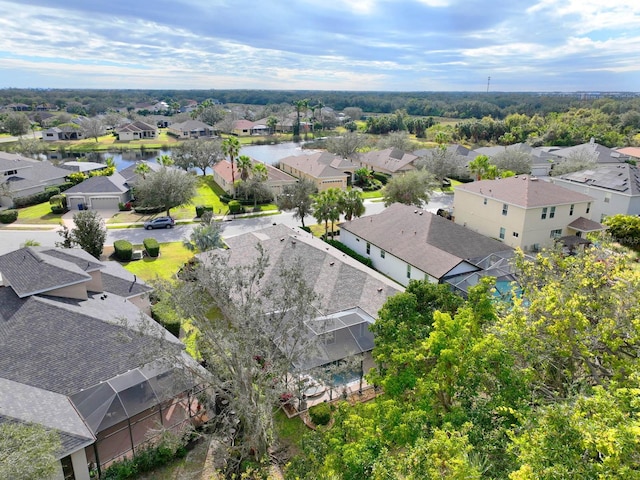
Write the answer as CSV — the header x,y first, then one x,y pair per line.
x,y
200,209
152,247
8,216
124,207
36,198
52,191
320,414
65,186
123,250
381,177
306,229
343,248
166,316
149,210
58,203
235,207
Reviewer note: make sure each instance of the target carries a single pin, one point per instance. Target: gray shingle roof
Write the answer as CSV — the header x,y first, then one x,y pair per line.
x,y
319,165
339,280
390,159
30,271
115,183
524,191
429,242
623,178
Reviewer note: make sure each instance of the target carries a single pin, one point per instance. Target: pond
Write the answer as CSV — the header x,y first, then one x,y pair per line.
x,y
265,153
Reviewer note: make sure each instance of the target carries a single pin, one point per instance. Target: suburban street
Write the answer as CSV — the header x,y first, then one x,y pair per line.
x,y
12,239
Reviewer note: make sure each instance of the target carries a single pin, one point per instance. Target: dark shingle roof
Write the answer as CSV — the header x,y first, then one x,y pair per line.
x,y
622,178
429,242
101,184
30,271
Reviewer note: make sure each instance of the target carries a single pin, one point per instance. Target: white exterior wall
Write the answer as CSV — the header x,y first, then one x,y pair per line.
x,y
80,467
390,265
618,203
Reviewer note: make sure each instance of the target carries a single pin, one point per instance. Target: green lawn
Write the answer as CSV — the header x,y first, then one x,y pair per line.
x,y
38,215
290,430
172,256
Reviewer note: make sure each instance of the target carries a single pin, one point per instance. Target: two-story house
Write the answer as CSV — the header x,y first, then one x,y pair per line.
x,y
523,211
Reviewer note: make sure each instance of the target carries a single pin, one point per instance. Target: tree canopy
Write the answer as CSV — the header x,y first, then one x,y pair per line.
x,y
167,187
411,188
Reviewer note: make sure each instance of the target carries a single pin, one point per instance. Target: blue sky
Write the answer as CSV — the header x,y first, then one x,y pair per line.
x,y
387,45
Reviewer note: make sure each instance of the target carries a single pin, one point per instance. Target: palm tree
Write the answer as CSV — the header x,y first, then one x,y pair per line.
x,y
326,208
479,166
231,148
272,123
300,105
142,169
260,174
165,160
351,204
245,166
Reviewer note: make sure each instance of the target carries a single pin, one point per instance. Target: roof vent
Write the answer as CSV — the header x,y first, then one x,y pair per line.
x,y
379,289
332,263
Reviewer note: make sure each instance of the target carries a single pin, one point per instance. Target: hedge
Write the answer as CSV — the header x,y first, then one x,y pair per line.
x,y
36,198
123,250
148,210
8,216
162,313
320,414
200,209
152,247
382,177
343,248
235,207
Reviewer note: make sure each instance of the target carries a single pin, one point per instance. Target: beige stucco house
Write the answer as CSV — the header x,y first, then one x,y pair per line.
x,y
391,161
323,168
523,211
276,179
137,131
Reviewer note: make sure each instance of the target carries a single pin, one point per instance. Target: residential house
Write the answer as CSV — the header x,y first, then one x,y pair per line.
x,y
323,168
276,179
99,193
351,294
615,188
83,167
21,177
523,211
391,161
542,159
137,131
632,152
132,177
69,131
406,243
79,355
191,129
591,150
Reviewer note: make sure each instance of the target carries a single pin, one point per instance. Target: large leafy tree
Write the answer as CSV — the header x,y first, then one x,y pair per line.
x,y
249,332
16,123
624,229
89,233
93,128
347,145
299,198
201,154
167,187
411,188
27,451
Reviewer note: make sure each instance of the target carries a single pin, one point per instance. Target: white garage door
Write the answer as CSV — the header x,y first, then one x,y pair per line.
x,y
72,202
104,203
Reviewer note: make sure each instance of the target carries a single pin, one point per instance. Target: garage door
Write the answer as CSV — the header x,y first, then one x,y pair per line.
x,y
72,202
104,203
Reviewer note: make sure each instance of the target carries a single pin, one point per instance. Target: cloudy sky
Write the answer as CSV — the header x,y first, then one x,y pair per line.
x,y
388,45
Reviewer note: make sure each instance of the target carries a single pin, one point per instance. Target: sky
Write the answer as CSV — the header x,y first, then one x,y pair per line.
x,y
353,45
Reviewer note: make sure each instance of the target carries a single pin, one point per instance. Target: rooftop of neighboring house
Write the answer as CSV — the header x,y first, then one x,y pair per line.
x,y
600,153
130,174
77,166
223,169
429,242
115,183
630,151
389,159
136,126
64,361
622,178
340,281
190,125
319,165
524,191
28,172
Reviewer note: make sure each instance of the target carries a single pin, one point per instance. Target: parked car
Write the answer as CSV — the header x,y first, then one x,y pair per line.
x,y
160,222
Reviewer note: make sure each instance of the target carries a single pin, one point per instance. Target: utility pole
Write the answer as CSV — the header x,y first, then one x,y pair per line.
x,y
488,83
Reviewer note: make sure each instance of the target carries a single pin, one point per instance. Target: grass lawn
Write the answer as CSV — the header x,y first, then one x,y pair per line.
x,y
290,430
38,215
374,194
172,256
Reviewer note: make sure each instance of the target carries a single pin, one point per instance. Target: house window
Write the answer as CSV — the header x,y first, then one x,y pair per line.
x,y
357,239
544,213
556,233
484,201
502,233
571,209
505,209
382,253
588,207
516,234
607,197
368,248
10,172
408,271
552,212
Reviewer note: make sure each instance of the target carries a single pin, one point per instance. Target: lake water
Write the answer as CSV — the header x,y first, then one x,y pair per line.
x,y
265,153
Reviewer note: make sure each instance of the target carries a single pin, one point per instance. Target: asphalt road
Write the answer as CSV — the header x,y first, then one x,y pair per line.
x,y
12,239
